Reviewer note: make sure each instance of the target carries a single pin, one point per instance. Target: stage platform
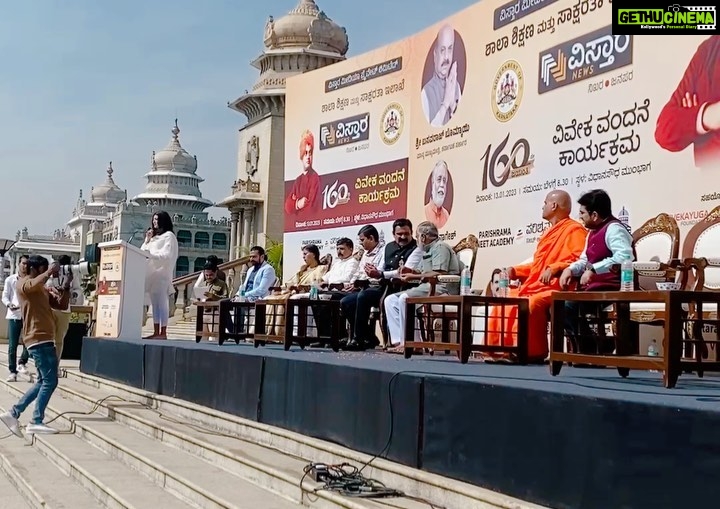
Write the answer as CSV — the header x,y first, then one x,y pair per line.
x,y
585,439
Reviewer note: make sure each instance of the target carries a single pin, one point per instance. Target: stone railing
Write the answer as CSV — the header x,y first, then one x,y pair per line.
x,y
234,269
245,186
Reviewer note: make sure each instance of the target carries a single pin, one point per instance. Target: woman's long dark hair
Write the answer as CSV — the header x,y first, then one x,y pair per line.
x,y
164,222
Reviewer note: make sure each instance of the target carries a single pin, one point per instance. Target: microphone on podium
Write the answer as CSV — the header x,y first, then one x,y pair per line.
x,y
132,237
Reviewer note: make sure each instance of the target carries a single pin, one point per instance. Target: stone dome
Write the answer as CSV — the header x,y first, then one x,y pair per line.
x,y
174,157
306,26
108,192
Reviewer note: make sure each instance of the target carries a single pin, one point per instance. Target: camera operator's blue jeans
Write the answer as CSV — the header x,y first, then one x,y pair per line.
x,y
14,331
46,363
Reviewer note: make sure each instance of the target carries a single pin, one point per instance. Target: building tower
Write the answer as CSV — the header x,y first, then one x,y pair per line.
x,y
303,40
172,182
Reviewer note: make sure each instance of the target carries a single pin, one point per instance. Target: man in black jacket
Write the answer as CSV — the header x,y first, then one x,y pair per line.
x,y
356,307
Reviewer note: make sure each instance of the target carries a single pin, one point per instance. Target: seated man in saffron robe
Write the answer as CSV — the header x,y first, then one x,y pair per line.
x,y
608,245
558,247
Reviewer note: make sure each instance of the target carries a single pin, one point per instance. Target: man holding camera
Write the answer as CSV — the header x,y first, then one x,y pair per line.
x,y
61,316
36,305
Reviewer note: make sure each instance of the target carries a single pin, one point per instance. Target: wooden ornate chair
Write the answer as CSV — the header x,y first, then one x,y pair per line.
x,y
657,247
701,251
437,317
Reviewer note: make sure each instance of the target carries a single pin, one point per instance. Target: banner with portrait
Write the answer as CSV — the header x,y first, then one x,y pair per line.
x,y
507,101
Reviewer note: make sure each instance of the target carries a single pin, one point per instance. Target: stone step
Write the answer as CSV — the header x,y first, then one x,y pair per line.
x,y
146,472
268,457
113,484
38,481
11,496
273,457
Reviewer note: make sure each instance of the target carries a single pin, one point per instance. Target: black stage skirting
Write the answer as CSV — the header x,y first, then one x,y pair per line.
x,y
586,438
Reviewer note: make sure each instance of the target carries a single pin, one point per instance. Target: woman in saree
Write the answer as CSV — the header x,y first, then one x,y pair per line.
x,y
309,274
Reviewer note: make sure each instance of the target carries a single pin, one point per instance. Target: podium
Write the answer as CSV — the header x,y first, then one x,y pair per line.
x,y
120,291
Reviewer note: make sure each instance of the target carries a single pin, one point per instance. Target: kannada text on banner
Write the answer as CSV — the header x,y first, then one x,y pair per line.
x,y
506,101
352,197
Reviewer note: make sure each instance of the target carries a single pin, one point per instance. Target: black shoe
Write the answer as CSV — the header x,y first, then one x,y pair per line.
x,y
356,346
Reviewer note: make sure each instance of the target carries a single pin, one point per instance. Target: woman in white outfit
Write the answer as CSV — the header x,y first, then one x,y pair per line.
x,y
161,248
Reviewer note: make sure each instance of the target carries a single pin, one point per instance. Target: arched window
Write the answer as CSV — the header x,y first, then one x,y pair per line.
x,y
182,266
184,238
199,263
202,240
219,241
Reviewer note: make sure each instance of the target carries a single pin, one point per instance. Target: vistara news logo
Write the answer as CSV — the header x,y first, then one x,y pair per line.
x,y
345,131
586,56
631,17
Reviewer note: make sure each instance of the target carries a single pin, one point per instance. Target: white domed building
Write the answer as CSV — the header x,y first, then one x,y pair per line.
x,y
104,200
303,40
173,185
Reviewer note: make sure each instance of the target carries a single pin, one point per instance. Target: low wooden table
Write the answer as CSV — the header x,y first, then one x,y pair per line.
x,y
461,309
670,363
200,322
326,310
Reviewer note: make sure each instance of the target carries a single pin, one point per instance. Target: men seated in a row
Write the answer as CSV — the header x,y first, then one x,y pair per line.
x,y
378,265
563,252
438,259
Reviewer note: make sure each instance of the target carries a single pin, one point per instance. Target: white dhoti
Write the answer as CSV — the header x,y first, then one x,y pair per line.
x,y
396,313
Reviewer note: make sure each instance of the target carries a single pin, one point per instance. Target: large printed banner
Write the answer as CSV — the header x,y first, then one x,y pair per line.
x,y
371,194
504,102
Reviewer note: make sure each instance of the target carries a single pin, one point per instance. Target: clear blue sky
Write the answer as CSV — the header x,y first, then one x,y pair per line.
x,y
85,82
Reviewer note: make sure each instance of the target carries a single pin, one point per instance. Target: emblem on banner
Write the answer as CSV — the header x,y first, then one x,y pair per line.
x,y
507,90
392,123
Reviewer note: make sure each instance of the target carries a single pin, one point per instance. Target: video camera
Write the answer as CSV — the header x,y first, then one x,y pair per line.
x,y
82,272
82,269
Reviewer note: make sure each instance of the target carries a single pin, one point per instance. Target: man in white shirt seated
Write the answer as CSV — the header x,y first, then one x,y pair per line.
x,y
340,273
379,265
344,266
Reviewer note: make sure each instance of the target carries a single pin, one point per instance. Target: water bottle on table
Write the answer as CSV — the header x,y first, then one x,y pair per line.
x,y
465,281
504,283
627,276
314,292
653,350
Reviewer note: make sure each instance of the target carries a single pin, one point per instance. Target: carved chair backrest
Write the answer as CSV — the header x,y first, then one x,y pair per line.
x,y
466,250
703,241
657,240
